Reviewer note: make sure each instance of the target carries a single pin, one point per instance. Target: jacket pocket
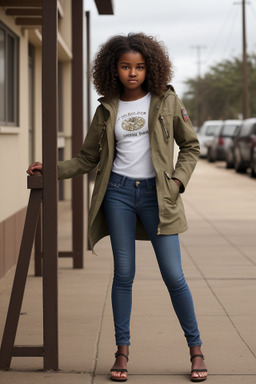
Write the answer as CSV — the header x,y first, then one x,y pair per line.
x,y
164,129
172,188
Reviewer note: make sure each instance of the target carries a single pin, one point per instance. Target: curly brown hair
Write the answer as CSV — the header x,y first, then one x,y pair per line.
x,y
158,65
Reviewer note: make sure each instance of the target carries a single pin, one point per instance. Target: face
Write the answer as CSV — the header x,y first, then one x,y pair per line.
x,y
131,69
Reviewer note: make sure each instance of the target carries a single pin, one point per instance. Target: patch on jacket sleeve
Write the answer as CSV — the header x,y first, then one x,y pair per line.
x,y
185,115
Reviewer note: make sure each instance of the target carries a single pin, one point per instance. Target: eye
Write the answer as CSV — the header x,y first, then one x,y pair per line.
x,y
124,66
140,67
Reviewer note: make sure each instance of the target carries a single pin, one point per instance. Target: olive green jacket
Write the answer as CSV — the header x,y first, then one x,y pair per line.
x,y
168,121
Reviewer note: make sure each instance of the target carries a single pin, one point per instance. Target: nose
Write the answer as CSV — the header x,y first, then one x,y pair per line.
x,y
132,72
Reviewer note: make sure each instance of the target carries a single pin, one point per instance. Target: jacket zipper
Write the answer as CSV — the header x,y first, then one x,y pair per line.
x,y
167,175
165,130
102,135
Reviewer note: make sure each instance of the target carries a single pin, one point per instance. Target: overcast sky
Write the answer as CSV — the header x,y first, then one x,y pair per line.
x,y
215,26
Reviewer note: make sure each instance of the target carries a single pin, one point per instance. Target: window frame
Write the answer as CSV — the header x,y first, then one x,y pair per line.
x,y
15,99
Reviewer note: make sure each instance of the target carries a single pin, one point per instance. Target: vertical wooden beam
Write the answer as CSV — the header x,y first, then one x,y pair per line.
x,y
91,175
77,131
88,56
50,115
13,316
38,247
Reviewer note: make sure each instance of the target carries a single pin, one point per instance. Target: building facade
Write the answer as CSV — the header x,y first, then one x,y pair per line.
x,y
21,109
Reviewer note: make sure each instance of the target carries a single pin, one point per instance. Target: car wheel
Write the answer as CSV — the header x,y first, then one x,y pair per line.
x,y
210,156
253,169
229,160
238,164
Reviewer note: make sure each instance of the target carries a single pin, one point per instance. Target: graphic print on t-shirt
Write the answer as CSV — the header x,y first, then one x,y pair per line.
x,y
133,123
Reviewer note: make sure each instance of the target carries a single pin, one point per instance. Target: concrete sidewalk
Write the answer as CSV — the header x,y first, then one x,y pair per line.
x,y
219,260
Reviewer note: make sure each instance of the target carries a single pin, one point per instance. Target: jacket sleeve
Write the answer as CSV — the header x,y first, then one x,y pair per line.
x,y
89,155
189,148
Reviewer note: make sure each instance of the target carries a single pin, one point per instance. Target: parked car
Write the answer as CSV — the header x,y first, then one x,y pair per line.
x,y
206,134
244,144
223,139
253,160
230,152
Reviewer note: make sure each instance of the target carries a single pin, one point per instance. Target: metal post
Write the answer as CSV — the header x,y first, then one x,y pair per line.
x,y
50,115
77,131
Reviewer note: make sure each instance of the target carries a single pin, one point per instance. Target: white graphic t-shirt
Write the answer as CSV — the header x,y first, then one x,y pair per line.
x,y
133,158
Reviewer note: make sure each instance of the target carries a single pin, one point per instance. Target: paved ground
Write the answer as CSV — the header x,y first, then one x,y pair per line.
x,y
219,260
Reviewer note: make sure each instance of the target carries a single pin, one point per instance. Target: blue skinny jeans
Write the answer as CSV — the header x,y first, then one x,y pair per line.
x,y
125,200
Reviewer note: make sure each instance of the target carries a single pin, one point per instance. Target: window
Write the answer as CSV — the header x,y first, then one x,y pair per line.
x,y
230,130
60,97
246,128
9,45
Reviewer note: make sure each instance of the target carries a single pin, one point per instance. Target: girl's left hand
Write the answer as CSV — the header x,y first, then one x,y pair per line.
x,y
178,182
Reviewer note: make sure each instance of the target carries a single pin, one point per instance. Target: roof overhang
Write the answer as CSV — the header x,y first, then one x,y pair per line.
x,y
28,13
105,7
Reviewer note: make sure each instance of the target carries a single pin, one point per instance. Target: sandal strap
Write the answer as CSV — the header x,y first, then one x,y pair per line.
x,y
192,357
118,370
121,354
199,370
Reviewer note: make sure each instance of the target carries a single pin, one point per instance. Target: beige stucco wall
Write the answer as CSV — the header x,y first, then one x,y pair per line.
x,y
14,140
38,104
67,120
65,24
14,145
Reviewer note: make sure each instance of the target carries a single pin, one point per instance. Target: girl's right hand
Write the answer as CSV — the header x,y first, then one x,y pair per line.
x,y
35,168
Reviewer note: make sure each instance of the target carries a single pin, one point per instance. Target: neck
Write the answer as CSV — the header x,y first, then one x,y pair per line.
x,y
131,95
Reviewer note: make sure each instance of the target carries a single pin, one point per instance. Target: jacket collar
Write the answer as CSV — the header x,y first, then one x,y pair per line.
x,y
110,104
156,101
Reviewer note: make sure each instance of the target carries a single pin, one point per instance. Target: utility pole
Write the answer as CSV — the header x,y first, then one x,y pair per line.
x,y
198,49
245,92
197,91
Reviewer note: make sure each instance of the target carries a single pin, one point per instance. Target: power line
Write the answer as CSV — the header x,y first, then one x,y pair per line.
x,y
252,10
227,49
229,16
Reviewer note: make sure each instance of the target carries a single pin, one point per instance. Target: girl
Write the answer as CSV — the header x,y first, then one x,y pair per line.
x,y
137,188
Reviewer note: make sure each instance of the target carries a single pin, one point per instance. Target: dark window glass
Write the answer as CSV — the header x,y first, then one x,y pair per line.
x,y
11,79
8,77
2,75
230,130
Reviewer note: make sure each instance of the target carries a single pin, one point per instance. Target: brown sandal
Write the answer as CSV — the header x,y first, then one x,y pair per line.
x,y
122,370
194,379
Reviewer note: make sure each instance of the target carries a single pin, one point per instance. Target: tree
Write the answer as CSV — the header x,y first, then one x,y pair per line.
x,y
218,95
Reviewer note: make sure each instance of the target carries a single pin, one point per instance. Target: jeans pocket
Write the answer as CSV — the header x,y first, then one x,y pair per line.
x,y
114,182
113,185
152,187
